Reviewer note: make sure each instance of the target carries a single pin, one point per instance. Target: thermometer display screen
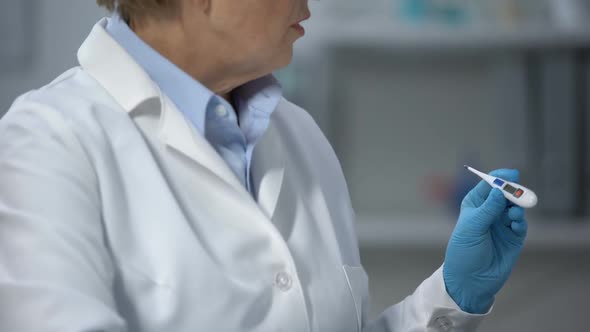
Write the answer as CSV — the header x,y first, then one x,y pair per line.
x,y
510,189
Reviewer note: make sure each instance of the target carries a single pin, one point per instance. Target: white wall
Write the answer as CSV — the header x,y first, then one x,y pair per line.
x,y
59,27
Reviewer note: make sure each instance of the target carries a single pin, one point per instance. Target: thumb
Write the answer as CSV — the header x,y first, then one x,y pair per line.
x,y
493,207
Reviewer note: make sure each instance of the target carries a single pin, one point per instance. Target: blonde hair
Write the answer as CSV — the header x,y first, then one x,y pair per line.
x,y
140,9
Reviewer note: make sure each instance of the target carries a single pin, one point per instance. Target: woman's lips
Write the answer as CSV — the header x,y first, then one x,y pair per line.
x,y
299,28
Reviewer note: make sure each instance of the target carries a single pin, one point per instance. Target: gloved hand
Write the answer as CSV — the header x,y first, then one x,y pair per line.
x,y
484,246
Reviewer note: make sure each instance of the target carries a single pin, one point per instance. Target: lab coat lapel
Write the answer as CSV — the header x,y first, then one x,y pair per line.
x,y
177,133
268,170
268,162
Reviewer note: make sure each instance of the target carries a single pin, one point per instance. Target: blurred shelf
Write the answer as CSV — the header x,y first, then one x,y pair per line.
x,y
414,232
396,37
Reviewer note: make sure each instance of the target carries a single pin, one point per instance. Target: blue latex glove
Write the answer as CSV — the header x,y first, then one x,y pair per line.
x,y
484,246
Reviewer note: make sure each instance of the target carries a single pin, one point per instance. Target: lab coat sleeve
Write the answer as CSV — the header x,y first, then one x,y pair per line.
x,y
429,309
55,273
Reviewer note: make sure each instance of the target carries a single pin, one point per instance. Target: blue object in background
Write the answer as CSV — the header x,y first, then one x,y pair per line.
x,y
451,14
415,10
445,12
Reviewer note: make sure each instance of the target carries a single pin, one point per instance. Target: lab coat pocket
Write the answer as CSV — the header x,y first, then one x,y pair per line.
x,y
358,283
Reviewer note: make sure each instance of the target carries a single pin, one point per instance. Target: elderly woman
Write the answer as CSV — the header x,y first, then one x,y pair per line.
x,y
166,185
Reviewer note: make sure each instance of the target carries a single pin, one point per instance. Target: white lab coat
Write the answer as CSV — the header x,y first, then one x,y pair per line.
x,y
116,215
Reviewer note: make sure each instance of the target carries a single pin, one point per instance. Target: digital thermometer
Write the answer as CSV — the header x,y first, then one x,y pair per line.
x,y
513,192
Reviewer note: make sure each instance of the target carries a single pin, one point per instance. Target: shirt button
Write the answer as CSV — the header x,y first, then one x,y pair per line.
x,y
283,281
444,324
221,111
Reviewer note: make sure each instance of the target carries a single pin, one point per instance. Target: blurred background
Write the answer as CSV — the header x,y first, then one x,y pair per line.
x,y
408,91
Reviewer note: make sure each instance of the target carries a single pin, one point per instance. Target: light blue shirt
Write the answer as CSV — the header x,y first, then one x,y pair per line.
x,y
211,115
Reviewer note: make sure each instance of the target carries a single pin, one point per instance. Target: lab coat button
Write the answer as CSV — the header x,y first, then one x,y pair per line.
x,y
444,323
283,281
221,111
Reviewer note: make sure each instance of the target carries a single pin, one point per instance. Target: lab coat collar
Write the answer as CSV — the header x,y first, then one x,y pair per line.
x,y
130,86
115,70
124,79
189,95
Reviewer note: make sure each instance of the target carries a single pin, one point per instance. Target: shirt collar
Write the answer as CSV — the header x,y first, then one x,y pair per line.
x,y
257,99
